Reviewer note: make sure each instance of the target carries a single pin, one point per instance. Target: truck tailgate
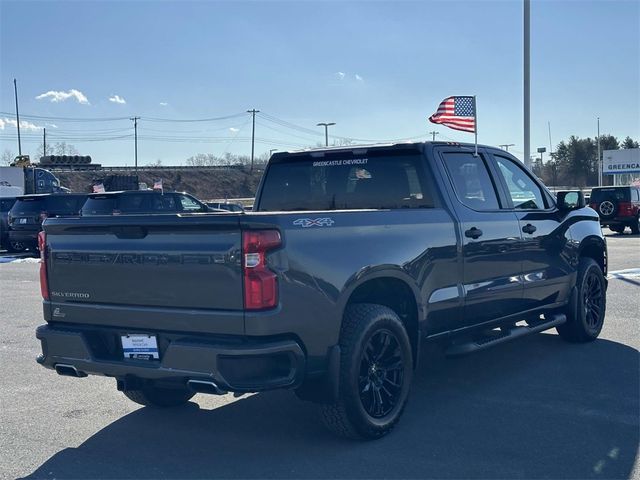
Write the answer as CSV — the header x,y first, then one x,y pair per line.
x,y
180,270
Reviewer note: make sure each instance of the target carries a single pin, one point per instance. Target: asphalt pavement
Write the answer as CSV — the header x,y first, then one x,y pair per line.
x,y
534,408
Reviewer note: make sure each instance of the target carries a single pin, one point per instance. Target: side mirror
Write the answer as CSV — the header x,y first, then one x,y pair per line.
x,y
572,200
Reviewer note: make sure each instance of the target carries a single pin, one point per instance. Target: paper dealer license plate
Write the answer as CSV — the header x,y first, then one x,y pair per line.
x,y
140,347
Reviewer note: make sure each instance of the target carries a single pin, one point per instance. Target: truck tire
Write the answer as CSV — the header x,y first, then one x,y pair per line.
x,y
585,315
151,395
376,369
616,228
635,226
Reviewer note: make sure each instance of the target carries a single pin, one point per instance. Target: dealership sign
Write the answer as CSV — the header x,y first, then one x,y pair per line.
x,y
621,161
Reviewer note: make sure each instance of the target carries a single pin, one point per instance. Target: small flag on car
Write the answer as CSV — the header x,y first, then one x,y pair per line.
x,y
157,185
98,188
459,113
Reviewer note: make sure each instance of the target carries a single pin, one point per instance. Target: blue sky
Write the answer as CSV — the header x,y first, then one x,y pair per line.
x,y
377,69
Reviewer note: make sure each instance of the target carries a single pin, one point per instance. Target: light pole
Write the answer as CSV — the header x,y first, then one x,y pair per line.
x,y
135,136
253,112
15,91
527,89
506,146
433,134
599,159
326,131
271,151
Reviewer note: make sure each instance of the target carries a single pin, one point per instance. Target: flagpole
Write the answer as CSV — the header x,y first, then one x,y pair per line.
x,y
475,114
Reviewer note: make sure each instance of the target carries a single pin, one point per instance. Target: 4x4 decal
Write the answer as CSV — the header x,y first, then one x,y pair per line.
x,y
313,222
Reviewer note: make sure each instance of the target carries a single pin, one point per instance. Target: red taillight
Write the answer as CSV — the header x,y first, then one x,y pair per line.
x,y
260,283
625,208
42,246
43,216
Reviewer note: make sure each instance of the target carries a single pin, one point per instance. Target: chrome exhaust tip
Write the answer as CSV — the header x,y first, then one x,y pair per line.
x,y
68,371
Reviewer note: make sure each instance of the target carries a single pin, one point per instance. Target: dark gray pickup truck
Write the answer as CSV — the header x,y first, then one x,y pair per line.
x,y
351,257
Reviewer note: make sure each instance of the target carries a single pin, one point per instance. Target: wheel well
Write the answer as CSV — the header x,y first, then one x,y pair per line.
x,y
396,295
596,252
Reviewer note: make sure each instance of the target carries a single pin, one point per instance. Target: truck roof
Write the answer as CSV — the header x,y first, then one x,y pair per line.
x,y
382,146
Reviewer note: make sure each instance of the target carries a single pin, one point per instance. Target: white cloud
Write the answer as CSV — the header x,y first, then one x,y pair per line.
x,y
359,78
339,75
24,125
117,99
163,104
52,125
234,130
60,96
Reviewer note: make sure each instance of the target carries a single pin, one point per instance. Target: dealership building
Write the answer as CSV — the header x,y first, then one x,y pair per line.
x,y
624,165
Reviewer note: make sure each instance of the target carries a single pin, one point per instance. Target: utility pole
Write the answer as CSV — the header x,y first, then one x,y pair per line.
x,y
527,89
550,144
433,134
506,146
326,131
253,112
135,136
15,91
44,142
599,159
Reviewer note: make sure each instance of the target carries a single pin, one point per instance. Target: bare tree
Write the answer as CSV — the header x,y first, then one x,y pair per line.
x,y
202,160
7,157
63,148
40,151
157,163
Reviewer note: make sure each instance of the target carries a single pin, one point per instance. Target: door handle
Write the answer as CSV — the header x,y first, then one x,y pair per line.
x,y
473,232
528,228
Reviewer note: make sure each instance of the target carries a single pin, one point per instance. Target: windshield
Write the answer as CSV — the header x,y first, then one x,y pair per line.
x,y
28,206
386,182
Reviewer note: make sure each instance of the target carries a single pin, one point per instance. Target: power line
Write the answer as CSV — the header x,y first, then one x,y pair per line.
x,y
191,120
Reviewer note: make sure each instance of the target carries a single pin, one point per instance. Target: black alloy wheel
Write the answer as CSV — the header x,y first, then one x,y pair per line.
x,y
593,301
381,374
587,305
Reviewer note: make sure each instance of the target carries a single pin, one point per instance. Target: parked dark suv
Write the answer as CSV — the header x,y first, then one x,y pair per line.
x,y
5,206
139,202
618,207
27,214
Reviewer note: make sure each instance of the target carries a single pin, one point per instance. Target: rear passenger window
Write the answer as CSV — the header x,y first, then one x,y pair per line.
x,y
163,204
471,181
133,203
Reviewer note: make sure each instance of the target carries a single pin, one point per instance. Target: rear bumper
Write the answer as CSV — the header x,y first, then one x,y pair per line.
x,y
233,364
605,222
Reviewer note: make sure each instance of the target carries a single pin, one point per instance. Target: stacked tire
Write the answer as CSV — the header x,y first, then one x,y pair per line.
x,y
53,160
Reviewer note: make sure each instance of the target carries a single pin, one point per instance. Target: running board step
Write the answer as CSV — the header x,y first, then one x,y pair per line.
x,y
503,336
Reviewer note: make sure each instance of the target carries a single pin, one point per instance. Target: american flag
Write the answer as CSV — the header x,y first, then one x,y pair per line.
x,y
157,185
457,113
98,188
